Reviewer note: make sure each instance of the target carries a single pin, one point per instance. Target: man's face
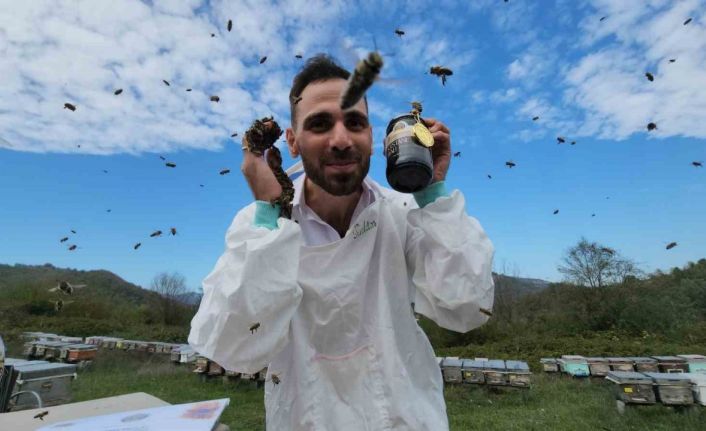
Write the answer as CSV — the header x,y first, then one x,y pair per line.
x,y
335,145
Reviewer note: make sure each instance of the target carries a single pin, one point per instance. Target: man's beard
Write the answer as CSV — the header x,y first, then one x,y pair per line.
x,y
337,184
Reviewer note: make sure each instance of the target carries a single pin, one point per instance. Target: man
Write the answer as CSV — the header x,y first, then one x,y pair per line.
x,y
324,299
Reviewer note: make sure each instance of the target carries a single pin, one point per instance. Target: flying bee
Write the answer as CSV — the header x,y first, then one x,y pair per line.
x,y
651,127
416,108
230,24
510,164
275,378
166,82
573,142
66,287
213,34
215,99
58,305
224,171
41,415
156,233
535,118
263,59
593,215
69,106
650,77
556,212
671,245
603,18
296,100
170,165
64,239
687,21
489,177
253,327
173,231
362,78
457,154
234,135
697,164
118,91
188,89
136,246
299,56
672,60
442,72
73,231
560,140
399,32
162,157
72,247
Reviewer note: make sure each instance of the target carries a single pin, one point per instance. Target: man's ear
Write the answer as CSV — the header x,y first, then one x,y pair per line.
x,y
292,144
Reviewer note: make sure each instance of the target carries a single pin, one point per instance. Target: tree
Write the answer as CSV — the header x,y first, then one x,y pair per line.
x,y
594,265
170,287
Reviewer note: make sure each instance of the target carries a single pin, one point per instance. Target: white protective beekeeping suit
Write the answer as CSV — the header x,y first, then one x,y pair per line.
x,y
336,325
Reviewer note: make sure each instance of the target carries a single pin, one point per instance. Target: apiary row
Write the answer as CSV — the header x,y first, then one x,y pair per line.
x,y
672,389
60,351
581,366
208,368
483,371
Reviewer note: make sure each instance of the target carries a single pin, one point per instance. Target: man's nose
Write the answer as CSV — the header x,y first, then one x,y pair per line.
x,y
340,138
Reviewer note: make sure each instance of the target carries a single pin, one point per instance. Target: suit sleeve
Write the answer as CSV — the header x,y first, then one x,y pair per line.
x,y
449,258
252,285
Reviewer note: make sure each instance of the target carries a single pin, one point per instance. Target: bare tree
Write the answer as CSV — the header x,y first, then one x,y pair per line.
x,y
591,264
170,287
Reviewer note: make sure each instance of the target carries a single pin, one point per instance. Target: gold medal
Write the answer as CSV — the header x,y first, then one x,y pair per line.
x,y
423,135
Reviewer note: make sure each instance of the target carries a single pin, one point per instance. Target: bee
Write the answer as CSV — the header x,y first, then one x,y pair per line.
x,y
697,164
118,91
651,127
399,32
486,312
253,327
105,171
275,378
64,239
173,231
593,215
687,21
73,231
510,164
556,212
416,108
162,157
156,233
672,60
69,106
603,18
535,118
573,142
560,140
213,34
58,305
108,210
489,177
296,100
457,154
442,72
671,245
166,82
362,78
263,59
170,165
136,246
41,415
188,89
650,77
230,24
66,287
72,247
215,99
234,135
299,56
224,171
200,185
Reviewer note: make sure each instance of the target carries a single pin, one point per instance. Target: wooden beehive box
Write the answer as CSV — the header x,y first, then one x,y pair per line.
x,y
80,352
451,370
52,350
598,367
50,380
632,387
672,388
696,363
72,340
672,364
698,387
29,349
574,365
549,365
495,372
518,374
645,365
621,364
472,372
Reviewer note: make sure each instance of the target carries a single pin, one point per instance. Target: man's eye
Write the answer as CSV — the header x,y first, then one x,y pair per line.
x,y
318,125
356,123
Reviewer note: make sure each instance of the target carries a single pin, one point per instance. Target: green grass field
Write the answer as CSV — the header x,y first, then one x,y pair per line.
x,y
553,402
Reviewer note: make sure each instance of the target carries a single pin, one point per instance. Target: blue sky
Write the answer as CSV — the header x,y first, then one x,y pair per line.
x,y
584,78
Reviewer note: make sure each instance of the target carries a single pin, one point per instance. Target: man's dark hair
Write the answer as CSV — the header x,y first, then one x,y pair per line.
x,y
320,67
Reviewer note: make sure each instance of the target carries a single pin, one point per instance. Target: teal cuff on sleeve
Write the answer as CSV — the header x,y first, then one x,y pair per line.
x,y
429,194
266,215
